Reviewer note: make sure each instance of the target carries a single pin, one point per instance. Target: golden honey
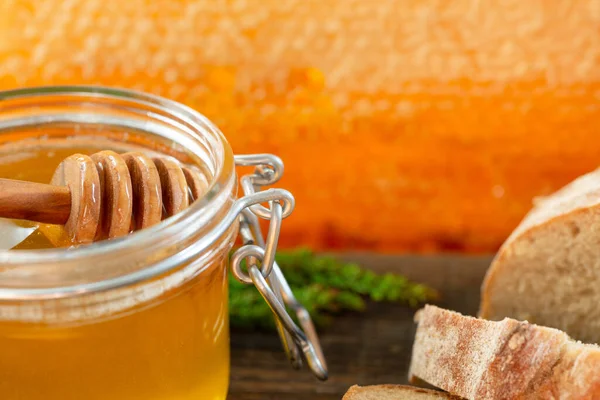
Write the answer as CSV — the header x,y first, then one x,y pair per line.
x,y
164,339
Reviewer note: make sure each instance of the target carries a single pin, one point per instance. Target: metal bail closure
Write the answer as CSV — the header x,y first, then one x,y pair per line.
x,y
262,270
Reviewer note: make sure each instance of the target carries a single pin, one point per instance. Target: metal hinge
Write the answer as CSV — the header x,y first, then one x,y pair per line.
x,y
261,268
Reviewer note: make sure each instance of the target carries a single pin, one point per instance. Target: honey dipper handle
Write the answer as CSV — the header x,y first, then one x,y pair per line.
x,y
34,201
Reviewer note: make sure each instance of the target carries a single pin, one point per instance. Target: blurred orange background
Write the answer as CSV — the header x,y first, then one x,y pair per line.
x,y
405,126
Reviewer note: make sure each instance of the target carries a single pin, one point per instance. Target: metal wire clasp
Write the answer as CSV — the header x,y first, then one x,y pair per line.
x,y
257,251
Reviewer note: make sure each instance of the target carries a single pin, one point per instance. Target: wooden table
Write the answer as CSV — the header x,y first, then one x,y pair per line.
x,y
367,348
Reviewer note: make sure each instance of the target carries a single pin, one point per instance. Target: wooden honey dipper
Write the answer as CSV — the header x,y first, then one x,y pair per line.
x,y
105,195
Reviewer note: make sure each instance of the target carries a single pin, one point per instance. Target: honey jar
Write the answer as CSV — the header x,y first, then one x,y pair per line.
x,y
144,316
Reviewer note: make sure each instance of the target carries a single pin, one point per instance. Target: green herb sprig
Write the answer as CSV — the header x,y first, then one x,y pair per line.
x,y
325,286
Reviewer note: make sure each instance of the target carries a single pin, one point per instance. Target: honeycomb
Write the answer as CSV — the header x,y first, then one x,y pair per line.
x,y
405,125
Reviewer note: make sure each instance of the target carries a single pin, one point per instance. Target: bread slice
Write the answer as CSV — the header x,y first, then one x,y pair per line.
x,y
548,270
394,392
479,359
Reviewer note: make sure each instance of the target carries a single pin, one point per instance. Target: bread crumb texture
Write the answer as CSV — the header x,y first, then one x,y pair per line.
x,y
548,270
508,359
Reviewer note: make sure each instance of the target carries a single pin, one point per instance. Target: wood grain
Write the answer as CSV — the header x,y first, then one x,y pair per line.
x,y
147,198
196,182
173,183
370,348
78,173
116,188
34,201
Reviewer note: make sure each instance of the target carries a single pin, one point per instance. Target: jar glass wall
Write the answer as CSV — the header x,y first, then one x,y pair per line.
x,y
142,317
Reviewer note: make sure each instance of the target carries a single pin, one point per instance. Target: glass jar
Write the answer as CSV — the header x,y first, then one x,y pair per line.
x,y
144,316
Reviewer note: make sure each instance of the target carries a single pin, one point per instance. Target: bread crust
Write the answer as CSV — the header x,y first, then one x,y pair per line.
x,y
479,359
356,392
576,203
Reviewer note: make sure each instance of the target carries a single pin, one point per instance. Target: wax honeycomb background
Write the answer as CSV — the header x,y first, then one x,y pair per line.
x,y
404,125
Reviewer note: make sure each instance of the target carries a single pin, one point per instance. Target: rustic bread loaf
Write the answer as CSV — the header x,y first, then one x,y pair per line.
x,y
548,271
479,359
394,392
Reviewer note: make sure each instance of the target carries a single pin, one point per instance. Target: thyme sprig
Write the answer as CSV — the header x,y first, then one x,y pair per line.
x,y
326,286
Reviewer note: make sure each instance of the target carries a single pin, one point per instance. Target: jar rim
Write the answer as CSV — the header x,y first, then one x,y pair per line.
x,y
218,192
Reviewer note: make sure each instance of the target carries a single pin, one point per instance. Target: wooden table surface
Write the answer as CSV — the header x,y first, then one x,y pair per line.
x,y
367,348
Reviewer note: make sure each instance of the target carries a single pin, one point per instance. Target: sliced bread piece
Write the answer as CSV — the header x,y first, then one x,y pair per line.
x,y
479,359
548,270
394,392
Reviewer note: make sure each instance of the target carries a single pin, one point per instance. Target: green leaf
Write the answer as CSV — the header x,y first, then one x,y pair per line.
x,y
326,286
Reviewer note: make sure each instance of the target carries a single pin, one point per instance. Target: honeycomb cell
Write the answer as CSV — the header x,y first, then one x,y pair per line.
x,y
397,119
